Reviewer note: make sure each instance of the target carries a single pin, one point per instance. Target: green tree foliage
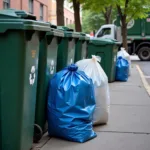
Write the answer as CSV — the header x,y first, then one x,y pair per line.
x,y
131,9
91,21
127,9
104,7
71,26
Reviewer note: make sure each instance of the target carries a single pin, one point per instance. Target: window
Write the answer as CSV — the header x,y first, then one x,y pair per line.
x,y
106,31
41,11
6,4
70,21
31,6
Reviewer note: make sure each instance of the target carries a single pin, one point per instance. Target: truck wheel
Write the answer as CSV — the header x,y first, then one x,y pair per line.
x,y
144,53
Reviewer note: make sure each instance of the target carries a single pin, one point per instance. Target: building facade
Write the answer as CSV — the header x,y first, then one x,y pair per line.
x,y
68,12
37,7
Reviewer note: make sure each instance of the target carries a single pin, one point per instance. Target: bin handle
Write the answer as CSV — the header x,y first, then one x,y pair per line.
x,y
25,15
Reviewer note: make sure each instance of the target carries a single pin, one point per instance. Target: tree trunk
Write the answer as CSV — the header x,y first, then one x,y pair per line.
x,y
107,19
124,32
60,12
76,7
107,14
123,18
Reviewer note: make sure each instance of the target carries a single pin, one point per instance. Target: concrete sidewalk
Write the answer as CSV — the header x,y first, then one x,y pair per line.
x,y
129,123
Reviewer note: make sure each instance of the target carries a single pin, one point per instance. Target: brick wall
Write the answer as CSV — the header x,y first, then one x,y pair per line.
x,y
68,14
52,12
24,5
15,4
1,4
36,9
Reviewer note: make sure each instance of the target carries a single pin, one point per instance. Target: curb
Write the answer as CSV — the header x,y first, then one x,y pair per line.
x,y
145,83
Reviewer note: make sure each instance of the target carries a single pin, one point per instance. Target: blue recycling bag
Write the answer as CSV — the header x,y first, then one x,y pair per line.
x,y
122,69
71,103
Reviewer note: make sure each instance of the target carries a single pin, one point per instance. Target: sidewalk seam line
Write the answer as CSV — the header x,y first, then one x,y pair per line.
x,y
145,83
124,132
148,105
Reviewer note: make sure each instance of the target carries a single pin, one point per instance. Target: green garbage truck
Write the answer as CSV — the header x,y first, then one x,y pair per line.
x,y
138,36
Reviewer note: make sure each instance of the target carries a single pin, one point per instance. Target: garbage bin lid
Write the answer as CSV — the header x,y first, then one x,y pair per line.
x,y
83,36
58,33
19,19
53,26
15,14
115,41
102,41
76,35
69,32
64,28
55,32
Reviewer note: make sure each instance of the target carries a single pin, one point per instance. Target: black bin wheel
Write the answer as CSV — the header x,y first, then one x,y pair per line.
x,y
38,133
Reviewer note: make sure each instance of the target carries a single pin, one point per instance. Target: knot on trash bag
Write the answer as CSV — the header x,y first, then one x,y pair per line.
x,y
120,57
96,58
122,48
73,67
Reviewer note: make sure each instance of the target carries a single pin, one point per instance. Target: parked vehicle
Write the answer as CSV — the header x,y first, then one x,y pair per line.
x,y
138,36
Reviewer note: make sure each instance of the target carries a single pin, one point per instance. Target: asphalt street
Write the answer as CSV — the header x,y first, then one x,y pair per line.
x,y
144,65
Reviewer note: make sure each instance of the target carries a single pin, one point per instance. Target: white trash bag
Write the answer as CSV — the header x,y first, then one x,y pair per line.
x,y
123,53
92,68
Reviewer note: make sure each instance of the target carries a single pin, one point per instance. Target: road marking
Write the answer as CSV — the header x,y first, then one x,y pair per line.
x,y
145,83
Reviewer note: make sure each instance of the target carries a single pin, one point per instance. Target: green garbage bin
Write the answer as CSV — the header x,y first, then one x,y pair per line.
x,y
107,49
47,68
66,48
81,47
20,35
